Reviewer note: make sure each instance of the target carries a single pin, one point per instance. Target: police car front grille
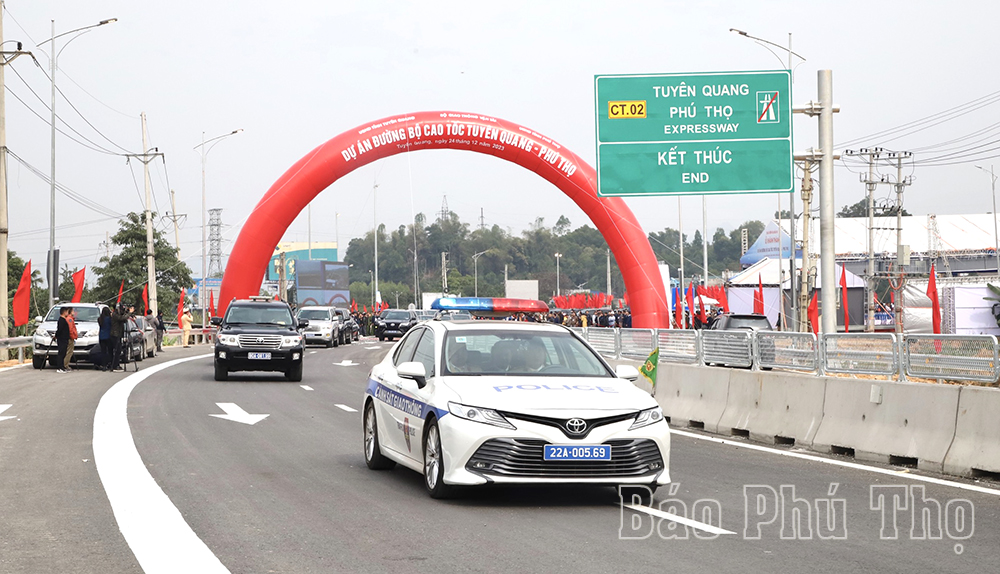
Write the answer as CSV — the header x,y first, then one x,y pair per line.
x,y
524,458
260,341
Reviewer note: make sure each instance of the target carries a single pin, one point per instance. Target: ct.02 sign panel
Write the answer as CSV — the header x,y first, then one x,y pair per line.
x,y
694,134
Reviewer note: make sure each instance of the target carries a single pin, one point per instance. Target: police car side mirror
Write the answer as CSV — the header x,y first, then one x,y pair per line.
x,y
216,321
627,372
416,372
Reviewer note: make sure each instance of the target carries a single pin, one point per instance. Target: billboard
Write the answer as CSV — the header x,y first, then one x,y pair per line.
x,y
322,283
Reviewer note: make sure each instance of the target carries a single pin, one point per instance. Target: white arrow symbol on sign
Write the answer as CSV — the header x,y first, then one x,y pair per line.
x,y
346,363
236,414
2,409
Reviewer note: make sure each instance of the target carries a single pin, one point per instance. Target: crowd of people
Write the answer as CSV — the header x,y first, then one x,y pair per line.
x,y
111,336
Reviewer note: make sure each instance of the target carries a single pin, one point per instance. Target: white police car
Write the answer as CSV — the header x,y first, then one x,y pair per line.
x,y
483,402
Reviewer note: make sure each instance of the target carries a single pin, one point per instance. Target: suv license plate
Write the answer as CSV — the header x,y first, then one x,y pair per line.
x,y
265,356
577,452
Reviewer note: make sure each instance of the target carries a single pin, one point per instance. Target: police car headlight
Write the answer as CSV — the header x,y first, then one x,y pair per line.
x,y
480,415
291,341
647,417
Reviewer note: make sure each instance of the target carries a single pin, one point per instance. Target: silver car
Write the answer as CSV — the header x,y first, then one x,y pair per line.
x,y
87,346
324,325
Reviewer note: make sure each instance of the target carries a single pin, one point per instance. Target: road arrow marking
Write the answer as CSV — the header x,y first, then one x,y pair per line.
x,y
346,408
306,387
346,363
236,414
2,409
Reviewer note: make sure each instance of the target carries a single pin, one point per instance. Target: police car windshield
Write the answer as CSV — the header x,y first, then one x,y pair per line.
x,y
280,316
519,353
83,314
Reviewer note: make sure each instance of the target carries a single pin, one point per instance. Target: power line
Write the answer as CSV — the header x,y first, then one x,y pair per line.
x,y
73,195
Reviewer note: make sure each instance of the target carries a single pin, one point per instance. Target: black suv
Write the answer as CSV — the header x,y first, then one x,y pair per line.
x,y
259,335
352,332
394,323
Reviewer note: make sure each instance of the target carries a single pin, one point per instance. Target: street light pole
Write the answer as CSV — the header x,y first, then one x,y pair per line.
x,y
53,273
996,238
558,257
475,265
204,227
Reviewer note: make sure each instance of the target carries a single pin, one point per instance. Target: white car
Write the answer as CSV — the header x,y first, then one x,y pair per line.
x,y
492,402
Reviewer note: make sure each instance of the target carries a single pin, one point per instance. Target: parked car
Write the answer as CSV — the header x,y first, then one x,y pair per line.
x,y
324,325
148,335
350,328
87,347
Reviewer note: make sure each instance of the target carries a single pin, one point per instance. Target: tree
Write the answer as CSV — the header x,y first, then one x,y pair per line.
x,y
129,264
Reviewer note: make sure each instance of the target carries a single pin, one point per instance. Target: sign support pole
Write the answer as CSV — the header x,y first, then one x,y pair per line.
x,y
826,202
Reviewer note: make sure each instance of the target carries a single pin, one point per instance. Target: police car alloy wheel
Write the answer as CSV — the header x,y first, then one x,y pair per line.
x,y
373,452
434,463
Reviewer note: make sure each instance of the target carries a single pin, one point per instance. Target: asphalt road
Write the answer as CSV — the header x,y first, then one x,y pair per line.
x,y
291,493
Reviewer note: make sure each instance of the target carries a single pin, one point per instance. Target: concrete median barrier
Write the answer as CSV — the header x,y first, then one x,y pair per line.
x,y
774,408
976,448
693,396
897,423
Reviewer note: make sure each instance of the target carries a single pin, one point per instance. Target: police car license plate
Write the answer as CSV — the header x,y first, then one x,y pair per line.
x,y
264,356
577,452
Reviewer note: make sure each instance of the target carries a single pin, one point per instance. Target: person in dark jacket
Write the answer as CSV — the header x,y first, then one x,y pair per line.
x,y
104,337
118,320
161,328
62,338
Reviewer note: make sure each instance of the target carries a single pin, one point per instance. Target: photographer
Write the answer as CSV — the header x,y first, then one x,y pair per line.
x,y
119,317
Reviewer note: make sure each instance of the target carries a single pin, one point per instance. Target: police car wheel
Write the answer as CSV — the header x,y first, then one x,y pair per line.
x,y
434,463
373,452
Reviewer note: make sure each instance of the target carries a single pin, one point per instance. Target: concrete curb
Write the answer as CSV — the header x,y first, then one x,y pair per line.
x,y
693,396
977,433
774,408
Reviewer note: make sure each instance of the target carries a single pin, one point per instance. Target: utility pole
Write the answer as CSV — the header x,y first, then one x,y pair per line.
x,y
609,272
444,272
902,253
803,295
680,238
827,214
7,57
375,293
282,285
175,217
704,239
150,247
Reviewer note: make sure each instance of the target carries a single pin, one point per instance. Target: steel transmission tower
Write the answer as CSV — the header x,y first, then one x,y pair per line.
x,y
215,242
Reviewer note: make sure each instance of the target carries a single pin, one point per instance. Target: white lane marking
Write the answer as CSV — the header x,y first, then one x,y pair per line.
x,y
679,519
236,414
904,474
373,348
306,387
2,409
346,408
312,352
159,537
346,363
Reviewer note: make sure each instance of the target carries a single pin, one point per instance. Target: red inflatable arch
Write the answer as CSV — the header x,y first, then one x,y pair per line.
x,y
446,130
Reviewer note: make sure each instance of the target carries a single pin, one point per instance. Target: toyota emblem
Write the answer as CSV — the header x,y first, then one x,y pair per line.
x,y
260,340
576,426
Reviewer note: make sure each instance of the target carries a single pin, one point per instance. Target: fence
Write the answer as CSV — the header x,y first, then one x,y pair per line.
x,y
946,357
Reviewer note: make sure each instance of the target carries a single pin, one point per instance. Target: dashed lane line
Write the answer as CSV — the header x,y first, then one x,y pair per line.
x,y
306,387
346,408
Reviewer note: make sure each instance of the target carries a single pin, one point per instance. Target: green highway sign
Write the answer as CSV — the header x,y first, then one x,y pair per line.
x,y
694,134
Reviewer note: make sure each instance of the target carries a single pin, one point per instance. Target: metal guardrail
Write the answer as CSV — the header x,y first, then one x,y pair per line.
x,y
860,353
604,341
636,343
19,343
678,346
954,357
787,350
727,348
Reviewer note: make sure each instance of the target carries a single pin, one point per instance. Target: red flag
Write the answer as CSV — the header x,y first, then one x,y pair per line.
x,y
145,299
365,308
211,303
843,299
354,306
723,299
701,310
121,289
690,302
678,309
935,305
22,297
813,311
78,285
180,307
758,297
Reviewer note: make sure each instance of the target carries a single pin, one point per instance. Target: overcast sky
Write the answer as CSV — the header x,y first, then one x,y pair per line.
x,y
294,74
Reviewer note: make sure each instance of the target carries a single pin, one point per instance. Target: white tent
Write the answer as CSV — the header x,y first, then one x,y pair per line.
x,y
767,269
